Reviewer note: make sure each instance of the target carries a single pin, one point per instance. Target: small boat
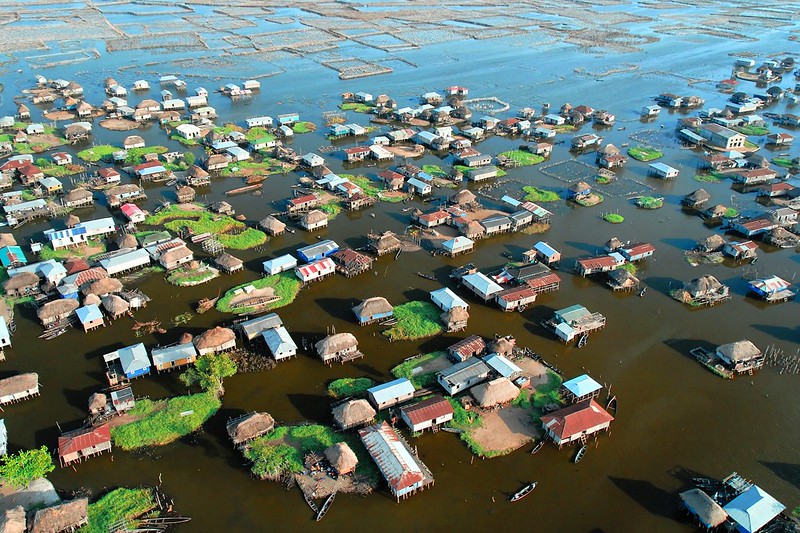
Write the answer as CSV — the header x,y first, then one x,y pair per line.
x,y
255,180
539,446
582,340
426,276
325,506
524,491
642,292
171,183
612,405
242,190
580,454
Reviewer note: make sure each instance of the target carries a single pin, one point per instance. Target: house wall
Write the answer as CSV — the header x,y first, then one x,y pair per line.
x,y
577,436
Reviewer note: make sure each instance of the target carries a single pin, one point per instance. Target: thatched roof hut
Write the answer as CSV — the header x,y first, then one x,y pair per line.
x,y
71,221
613,244
185,194
336,344
186,338
97,402
739,351
13,520
499,391
7,239
377,306
455,318
463,197
92,299
20,281
115,305
503,346
272,225
77,195
703,285
102,286
353,413
704,508
314,216
13,385
718,211
621,279
111,81
712,243
56,310
342,458
696,198
229,263
385,243
609,149
214,340
67,516
473,229
126,240
250,426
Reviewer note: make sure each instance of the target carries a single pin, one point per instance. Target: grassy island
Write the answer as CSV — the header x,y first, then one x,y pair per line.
x,y
415,320
614,218
304,127
644,153
119,504
281,451
649,202
358,107
161,422
345,387
230,232
522,157
415,370
188,277
284,285
97,153
535,194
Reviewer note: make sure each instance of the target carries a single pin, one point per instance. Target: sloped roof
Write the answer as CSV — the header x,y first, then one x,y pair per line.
x,y
76,441
336,343
377,305
495,392
576,418
753,509
353,413
62,517
706,509
742,350
341,457
18,383
434,407
214,338
249,427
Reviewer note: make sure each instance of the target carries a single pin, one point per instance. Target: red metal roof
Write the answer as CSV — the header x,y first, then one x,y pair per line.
x,y
436,215
470,345
757,224
543,281
516,294
430,409
590,263
576,419
639,249
107,172
29,170
130,209
300,200
357,150
77,441
347,256
75,265
398,466
391,175
92,274
149,164
319,267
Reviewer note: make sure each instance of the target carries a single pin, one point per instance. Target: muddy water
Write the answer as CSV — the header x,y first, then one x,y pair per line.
x,y
674,416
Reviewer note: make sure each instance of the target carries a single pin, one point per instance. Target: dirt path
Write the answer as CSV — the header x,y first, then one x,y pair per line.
x,y
505,430
39,493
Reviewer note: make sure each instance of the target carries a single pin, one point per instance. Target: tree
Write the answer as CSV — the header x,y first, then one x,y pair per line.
x,y
189,158
209,371
21,468
42,162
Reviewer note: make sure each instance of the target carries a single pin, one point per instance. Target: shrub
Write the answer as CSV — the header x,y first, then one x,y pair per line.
x,y
535,194
614,218
415,320
345,387
118,505
21,468
644,153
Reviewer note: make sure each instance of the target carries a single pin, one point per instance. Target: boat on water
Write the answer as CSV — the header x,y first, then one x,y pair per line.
x,y
325,507
524,491
426,276
580,454
539,446
171,183
582,340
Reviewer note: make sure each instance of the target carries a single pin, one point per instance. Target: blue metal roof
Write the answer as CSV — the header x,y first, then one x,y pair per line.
x,y
545,249
12,254
393,389
88,313
170,354
582,385
134,360
753,509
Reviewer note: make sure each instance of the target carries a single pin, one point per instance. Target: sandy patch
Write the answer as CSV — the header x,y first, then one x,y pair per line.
x,y
60,114
39,493
505,430
534,369
480,214
118,124
243,299
407,151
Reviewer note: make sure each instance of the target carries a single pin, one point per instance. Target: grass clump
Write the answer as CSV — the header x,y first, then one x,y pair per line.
x,y
630,267
165,421
120,504
649,202
783,162
434,170
465,170
285,284
522,158
249,238
415,320
730,213
535,194
136,155
332,208
304,127
708,178
267,167
220,225
358,107
271,461
644,153
367,185
258,133
614,218
187,277
420,380
753,130
96,153
171,212
346,387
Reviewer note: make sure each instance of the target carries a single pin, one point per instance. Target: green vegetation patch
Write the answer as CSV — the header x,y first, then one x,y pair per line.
x,y
358,107
420,380
21,468
59,171
249,238
709,178
304,127
730,213
522,158
332,208
750,145
175,136
136,155
121,504
169,213
97,246
783,162
465,170
346,387
258,133
753,130
267,167
187,277
649,202
199,222
535,194
614,218
415,320
227,129
96,153
286,286
164,421
281,451
603,180
434,170
644,153
630,267
206,222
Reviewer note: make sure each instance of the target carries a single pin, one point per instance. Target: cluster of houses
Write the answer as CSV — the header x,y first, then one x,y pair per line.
x,y
615,256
